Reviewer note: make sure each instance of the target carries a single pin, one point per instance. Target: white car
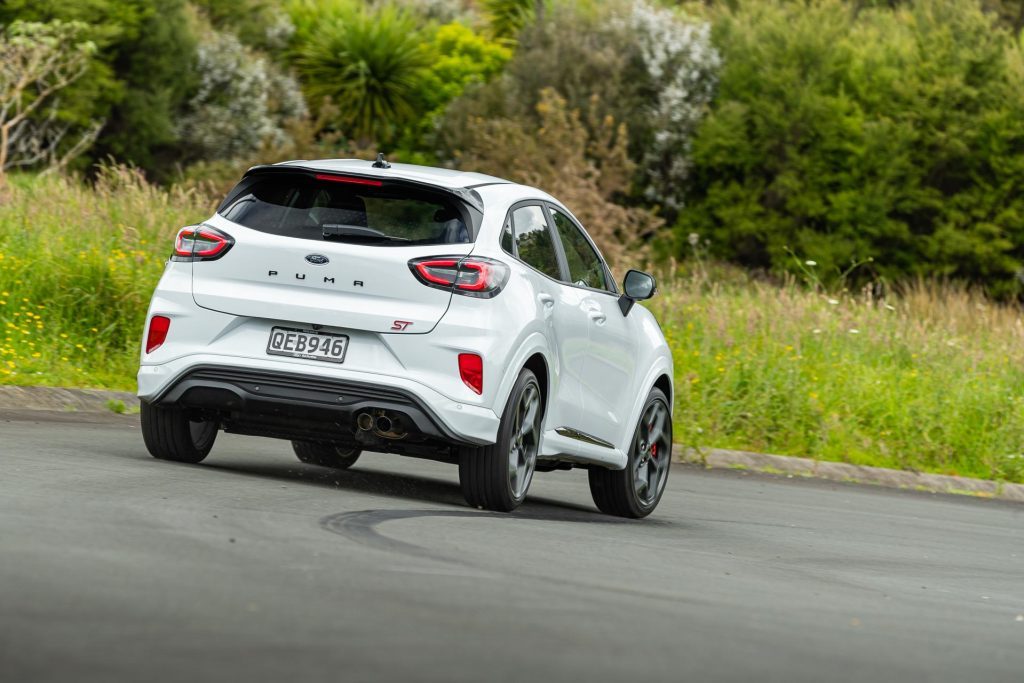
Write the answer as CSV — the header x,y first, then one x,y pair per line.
x,y
346,306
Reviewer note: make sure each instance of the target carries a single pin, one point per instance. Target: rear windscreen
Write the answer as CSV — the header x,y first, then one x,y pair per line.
x,y
356,210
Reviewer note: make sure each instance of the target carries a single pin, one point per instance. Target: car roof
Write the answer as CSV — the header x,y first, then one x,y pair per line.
x,y
440,177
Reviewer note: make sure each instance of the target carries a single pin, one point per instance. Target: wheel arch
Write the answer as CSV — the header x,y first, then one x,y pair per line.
x,y
664,382
531,352
539,366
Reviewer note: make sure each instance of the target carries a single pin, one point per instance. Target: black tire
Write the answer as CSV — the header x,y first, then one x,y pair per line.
x,y
170,435
619,492
325,454
485,474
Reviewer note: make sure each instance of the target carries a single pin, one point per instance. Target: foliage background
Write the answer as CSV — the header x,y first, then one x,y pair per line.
x,y
830,190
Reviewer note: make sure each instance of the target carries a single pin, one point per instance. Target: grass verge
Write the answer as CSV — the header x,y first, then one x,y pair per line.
x,y
931,381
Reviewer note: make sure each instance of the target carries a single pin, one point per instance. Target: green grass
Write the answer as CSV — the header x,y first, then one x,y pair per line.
x,y
932,381
77,268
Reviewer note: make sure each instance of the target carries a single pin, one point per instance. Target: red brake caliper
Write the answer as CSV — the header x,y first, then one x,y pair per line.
x,y
654,450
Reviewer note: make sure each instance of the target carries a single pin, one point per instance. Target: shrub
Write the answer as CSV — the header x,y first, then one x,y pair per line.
x,y
37,61
242,102
682,68
585,170
843,136
139,77
459,58
652,70
371,62
259,24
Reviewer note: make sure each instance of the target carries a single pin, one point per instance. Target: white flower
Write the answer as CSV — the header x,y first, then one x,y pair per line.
x,y
834,302
811,263
683,66
854,330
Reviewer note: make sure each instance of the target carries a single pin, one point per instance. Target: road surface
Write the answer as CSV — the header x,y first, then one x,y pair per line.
x,y
254,567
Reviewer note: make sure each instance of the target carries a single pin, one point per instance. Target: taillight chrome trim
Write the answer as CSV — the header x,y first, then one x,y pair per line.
x,y
474,276
221,243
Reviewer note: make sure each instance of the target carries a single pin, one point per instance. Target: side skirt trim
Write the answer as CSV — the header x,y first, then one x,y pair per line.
x,y
583,436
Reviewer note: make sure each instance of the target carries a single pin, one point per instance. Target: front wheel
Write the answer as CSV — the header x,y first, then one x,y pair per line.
x,y
497,477
170,434
636,490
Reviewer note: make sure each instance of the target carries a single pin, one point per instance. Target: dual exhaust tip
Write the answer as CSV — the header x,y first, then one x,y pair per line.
x,y
381,423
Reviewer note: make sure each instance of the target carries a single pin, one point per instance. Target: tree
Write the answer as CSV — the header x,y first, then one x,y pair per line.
x,y
370,62
37,61
889,135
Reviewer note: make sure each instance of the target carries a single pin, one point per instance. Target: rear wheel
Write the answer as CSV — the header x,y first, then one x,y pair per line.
x,y
325,454
497,477
636,490
170,434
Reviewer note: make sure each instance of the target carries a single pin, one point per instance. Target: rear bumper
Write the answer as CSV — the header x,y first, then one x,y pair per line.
x,y
329,398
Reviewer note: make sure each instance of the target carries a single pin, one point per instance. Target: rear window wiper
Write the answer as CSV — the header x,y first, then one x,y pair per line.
x,y
340,231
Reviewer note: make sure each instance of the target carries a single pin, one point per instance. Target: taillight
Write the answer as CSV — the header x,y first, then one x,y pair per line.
x,y
468,275
158,326
201,243
349,180
471,369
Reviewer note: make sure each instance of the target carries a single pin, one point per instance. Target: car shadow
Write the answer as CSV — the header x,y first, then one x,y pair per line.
x,y
412,487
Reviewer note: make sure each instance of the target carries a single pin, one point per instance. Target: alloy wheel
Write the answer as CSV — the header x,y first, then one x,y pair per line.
x,y
525,440
653,451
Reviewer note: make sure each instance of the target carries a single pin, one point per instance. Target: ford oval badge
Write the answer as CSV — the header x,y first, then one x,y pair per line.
x,y
318,259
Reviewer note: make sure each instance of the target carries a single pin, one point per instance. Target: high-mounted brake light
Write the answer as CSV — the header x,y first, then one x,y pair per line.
x,y
475,276
201,243
158,327
348,179
471,369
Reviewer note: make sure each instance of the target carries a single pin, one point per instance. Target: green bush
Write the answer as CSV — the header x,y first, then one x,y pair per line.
x,y
370,62
840,136
139,78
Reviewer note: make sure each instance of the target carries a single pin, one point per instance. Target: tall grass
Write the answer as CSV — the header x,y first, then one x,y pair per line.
x,y
931,380
77,267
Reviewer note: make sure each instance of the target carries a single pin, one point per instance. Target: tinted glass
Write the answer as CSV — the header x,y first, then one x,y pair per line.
x,y
506,236
585,267
301,206
533,240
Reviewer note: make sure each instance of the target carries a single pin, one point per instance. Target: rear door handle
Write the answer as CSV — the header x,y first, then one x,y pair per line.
x,y
597,316
546,299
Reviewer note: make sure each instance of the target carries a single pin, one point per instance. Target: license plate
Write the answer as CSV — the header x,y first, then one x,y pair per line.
x,y
309,344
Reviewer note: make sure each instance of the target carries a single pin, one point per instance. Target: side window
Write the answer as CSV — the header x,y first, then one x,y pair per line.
x,y
533,240
585,267
506,236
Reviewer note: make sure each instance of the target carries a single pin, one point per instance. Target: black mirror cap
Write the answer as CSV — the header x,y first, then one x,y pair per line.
x,y
638,285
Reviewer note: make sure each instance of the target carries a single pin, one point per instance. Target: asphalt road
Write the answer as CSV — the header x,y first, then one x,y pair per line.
x,y
253,567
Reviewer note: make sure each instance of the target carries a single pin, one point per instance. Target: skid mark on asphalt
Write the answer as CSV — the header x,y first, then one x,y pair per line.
x,y
361,527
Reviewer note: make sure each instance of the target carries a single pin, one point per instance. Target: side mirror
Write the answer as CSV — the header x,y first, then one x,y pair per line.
x,y
636,286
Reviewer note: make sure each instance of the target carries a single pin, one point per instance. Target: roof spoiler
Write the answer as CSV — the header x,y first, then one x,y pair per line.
x,y
467,195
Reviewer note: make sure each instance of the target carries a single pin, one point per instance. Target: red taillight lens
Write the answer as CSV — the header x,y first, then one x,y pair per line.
x,y
441,272
348,179
158,326
471,369
468,275
201,242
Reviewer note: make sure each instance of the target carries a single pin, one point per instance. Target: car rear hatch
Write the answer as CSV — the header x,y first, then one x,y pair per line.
x,y
334,250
